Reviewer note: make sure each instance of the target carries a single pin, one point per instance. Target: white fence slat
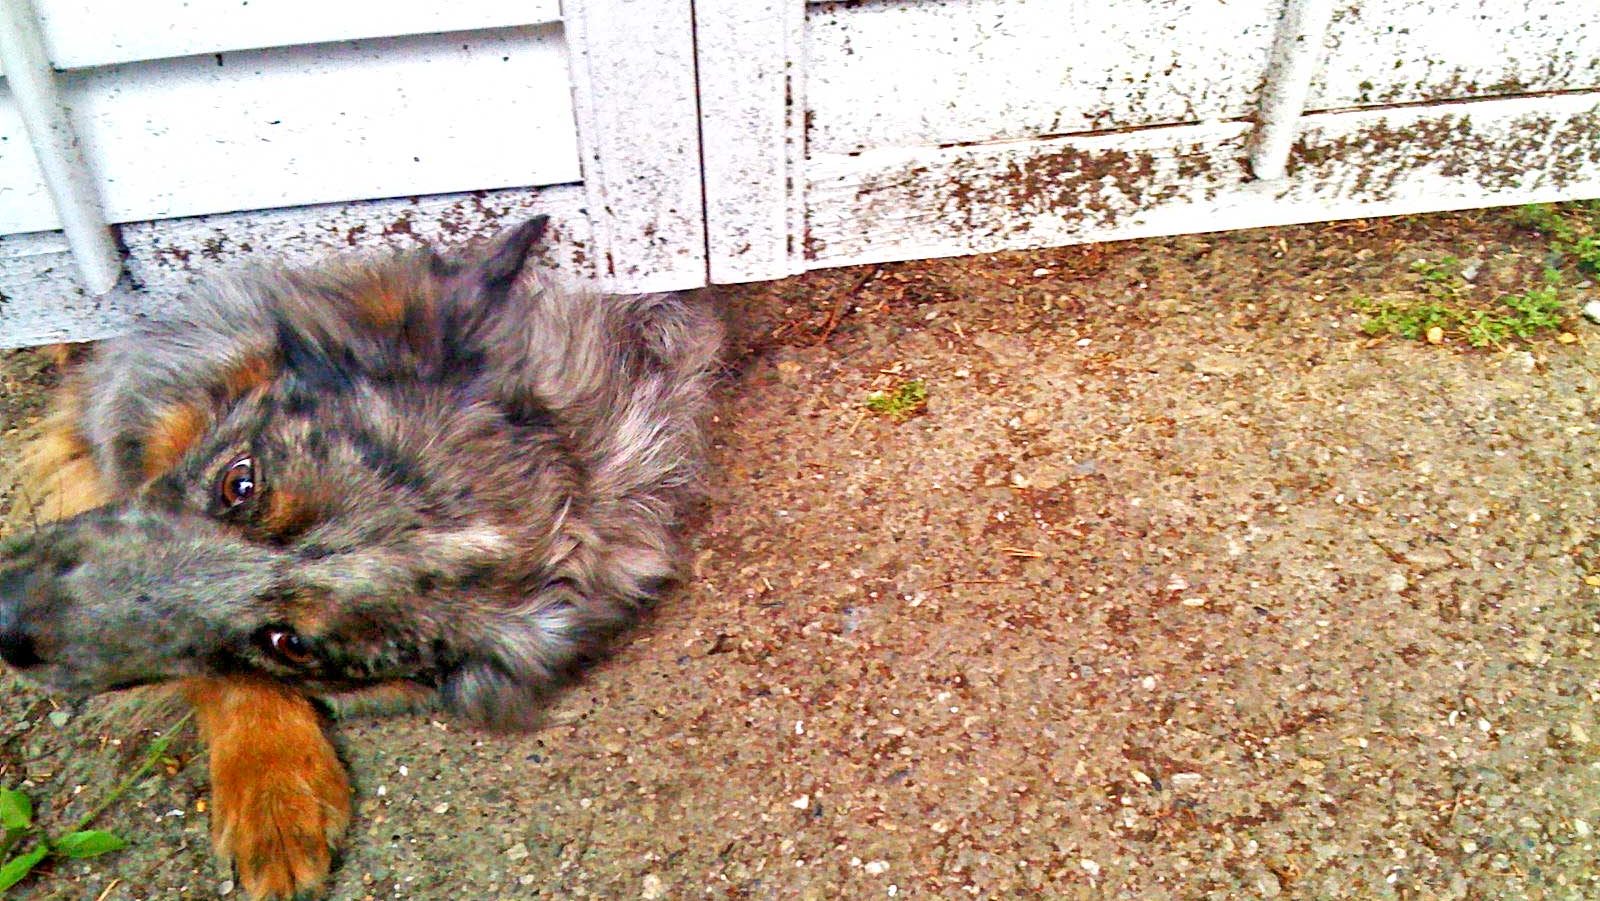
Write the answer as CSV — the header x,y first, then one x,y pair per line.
x,y
44,302
932,202
82,33
1412,51
934,72
275,128
633,77
754,142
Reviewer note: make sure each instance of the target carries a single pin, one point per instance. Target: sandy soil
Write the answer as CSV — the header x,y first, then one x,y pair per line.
x,y
1181,587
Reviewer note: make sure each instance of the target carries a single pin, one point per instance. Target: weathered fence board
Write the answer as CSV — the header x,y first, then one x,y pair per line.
x,y
633,77
754,148
273,128
83,33
1415,51
44,302
954,72
930,202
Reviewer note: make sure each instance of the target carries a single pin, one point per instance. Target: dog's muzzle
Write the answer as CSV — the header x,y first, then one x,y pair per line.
x,y
18,646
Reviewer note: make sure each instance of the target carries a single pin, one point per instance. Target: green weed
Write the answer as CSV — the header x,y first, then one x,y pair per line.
x,y
20,831
1441,278
1573,229
1524,316
906,400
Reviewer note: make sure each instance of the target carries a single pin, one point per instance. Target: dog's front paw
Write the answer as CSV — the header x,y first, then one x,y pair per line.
x,y
280,797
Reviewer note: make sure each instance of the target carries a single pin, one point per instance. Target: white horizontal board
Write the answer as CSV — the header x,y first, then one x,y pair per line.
x,y
274,128
1410,51
932,202
82,33
42,302
960,71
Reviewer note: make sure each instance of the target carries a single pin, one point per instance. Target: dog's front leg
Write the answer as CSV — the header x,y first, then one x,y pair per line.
x,y
280,797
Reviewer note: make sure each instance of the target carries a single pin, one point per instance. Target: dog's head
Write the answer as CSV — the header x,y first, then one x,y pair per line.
x,y
313,477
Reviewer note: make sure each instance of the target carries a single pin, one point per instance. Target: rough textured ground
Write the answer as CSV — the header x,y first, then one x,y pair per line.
x,y
1182,587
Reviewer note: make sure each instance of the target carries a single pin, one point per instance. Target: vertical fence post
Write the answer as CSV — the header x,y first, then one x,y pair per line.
x,y
1296,53
32,81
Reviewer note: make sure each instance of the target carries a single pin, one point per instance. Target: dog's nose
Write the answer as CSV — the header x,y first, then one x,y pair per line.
x,y
17,647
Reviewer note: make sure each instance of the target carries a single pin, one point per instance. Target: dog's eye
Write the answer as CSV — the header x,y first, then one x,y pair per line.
x,y
286,645
238,482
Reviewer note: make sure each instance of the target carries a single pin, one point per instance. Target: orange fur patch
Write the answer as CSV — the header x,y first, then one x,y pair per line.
x,y
307,613
56,476
381,300
64,356
247,375
280,796
173,433
181,425
290,512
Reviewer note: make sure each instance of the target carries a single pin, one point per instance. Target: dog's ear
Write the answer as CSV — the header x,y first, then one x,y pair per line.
x,y
497,266
473,287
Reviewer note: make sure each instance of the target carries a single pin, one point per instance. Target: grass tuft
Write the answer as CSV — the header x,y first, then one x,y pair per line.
x,y
904,401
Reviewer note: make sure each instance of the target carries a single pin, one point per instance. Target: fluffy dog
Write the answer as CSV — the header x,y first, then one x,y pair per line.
x,y
429,477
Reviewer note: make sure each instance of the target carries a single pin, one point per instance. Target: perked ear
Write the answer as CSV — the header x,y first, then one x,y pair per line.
x,y
501,262
474,287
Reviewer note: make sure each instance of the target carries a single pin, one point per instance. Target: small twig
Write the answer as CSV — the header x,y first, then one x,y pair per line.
x,y
1389,552
857,424
973,582
109,888
844,297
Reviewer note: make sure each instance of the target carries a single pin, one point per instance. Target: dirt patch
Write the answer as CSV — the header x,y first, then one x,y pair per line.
x,y
1179,587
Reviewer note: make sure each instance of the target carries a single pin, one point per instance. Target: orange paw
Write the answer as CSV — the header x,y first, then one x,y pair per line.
x,y
280,796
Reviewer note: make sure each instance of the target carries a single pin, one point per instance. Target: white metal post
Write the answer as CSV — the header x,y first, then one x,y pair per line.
x,y
1295,56
32,81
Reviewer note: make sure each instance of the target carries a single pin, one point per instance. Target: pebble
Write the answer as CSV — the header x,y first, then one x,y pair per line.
x,y
226,888
518,851
1581,827
1089,866
1396,582
653,887
876,867
1591,311
60,718
1186,780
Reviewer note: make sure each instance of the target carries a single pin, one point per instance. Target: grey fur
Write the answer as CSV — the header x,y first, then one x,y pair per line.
x,y
497,477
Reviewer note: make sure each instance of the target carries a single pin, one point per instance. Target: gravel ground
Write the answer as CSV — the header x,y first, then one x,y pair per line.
x,y
1180,587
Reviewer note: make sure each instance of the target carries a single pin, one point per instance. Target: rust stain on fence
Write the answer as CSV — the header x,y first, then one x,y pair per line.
x,y
1554,150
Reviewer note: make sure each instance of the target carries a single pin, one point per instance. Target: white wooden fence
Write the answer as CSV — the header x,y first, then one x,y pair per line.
x,y
677,143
